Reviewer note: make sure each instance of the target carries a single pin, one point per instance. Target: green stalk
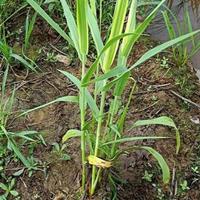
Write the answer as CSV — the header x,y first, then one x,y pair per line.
x,y
83,138
111,120
98,133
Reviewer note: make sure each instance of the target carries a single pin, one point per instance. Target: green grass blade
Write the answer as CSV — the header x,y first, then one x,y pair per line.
x,y
82,25
112,83
165,121
93,7
5,76
94,66
139,31
29,28
161,161
190,28
131,24
50,21
113,72
71,99
131,139
71,134
12,146
94,28
121,84
148,55
117,27
170,27
162,47
71,24
89,98
17,152
23,61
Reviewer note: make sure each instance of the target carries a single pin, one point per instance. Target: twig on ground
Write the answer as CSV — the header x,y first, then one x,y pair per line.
x,y
55,48
185,99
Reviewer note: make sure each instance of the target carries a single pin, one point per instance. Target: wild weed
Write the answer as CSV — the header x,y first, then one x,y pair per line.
x,y
184,51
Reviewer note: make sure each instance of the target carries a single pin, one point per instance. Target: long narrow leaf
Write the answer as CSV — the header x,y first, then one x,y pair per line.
x,y
139,31
131,139
82,25
50,21
117,27
94,66
71,99
71,24
23,61
153,52
89,98
161,161
165,121
94,28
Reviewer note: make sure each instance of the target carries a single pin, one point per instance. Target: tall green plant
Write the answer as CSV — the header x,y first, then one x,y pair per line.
x,y
102,134
182,52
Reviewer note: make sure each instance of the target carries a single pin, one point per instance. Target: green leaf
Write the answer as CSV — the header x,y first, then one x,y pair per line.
x,y
65,157
25,135
71,99
162,47
17,152
155,51
115,129
113,72
93,6
161,161
94,28
169,25
122,118
23,61
50,21
121,84
19,172
14,193
5,76
12,146
165,121
89,98
94,66
3,187
130,139
71,134
116,29
82,25
72,25
131,24
139,31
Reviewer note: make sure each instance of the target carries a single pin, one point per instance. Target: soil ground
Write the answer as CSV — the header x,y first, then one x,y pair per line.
x,y
156,96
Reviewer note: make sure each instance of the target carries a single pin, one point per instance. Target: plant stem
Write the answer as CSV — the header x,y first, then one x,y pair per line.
x,y
98,133
110,115
83,140
111,120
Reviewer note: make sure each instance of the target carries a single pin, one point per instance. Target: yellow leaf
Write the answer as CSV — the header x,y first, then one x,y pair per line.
x,y
93,160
